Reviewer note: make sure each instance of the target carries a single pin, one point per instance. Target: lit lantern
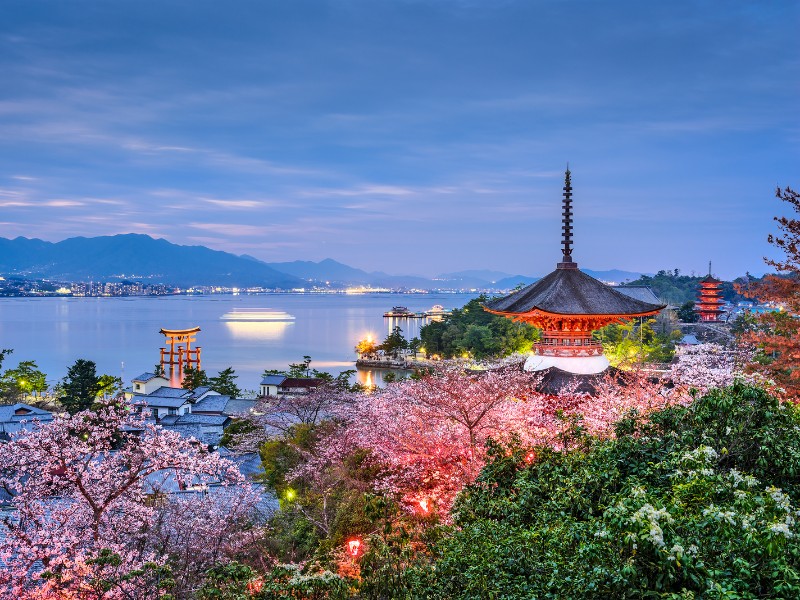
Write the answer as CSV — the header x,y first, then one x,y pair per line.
x,y
424,504
530,457
354,547
254,586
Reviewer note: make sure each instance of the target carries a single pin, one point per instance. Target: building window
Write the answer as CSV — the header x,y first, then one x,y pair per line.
x,y
172,411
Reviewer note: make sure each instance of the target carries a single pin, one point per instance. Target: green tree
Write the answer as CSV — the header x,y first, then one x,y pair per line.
x,y
80,387
637,342
3,353
224,383
366,347
301,369
194,378
109,386
17,384
394,343
687,314
473,331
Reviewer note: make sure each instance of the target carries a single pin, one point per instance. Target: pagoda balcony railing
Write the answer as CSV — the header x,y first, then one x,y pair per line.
x,y
568,347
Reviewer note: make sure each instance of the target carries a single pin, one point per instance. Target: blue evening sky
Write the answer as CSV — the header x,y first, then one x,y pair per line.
x,y
411,136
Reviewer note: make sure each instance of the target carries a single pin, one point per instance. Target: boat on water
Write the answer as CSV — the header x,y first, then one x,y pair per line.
x,y
402,312
437,310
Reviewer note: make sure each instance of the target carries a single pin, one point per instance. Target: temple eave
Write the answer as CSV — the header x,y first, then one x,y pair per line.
x,y
541,316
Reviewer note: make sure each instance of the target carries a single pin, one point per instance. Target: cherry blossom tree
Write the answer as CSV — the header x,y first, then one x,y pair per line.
x,y
707,366
276,415
198,529
778,338
82,488
430,435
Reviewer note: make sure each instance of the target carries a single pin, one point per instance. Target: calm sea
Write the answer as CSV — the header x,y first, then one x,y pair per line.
x,y
247,332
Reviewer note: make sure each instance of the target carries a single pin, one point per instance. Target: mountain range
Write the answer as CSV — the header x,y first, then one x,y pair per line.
x,y
142,258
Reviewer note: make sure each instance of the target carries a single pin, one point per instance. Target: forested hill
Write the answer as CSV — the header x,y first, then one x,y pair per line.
x,y
675,288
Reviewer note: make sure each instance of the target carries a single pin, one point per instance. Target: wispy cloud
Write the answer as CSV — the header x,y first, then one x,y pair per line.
x,y
231,229
42,203
235,203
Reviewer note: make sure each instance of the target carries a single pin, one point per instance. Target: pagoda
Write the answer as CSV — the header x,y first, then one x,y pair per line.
x,y
709,304
568,305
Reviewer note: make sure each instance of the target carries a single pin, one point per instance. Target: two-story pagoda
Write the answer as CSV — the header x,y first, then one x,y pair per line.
x,y
568,305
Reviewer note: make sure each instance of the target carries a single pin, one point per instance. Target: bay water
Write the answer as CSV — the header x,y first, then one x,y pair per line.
x,y
250,333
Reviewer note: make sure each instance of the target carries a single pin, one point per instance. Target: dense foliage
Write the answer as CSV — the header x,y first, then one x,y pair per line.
x,y
677,289
696,502
472,331
638,341
16,384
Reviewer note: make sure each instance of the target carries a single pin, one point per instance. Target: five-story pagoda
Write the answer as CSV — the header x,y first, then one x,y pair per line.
x,y
568,305
709,304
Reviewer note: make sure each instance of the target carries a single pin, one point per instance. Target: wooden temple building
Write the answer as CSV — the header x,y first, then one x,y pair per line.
x,y
179,353
709,304
568,305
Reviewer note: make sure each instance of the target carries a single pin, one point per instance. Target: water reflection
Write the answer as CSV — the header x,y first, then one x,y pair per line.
x,y
374,377
258,330
257,323
257,314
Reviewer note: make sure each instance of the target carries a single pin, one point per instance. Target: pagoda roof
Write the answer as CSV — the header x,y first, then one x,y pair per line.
x,y
570,291
710,279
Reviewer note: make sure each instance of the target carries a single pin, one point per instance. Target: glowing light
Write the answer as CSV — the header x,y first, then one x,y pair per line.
x,y
257,314
424,504
530,457
258,330
354,547
290,494
422,349
254,586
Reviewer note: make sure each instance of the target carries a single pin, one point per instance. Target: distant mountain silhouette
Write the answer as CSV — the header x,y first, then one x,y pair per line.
x,y
135,256
338,274
140,257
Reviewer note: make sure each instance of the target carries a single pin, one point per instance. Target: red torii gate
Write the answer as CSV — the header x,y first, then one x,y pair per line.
x,y
177,358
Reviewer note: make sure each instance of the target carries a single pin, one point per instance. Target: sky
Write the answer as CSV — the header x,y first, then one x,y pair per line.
x,y
408,136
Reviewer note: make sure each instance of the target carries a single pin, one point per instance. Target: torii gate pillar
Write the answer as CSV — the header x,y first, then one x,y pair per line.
x,y
180,353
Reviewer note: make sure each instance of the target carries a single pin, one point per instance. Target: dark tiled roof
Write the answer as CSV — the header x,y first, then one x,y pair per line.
x,y
211,404
197,392
556,381
639,292
162,401
20,411
273,380
301,382
145,377
11,422
204,420
571,292
239,406
170,392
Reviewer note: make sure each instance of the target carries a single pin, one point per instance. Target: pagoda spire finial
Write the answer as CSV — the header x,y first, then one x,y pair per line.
x,y
709,268
566,229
